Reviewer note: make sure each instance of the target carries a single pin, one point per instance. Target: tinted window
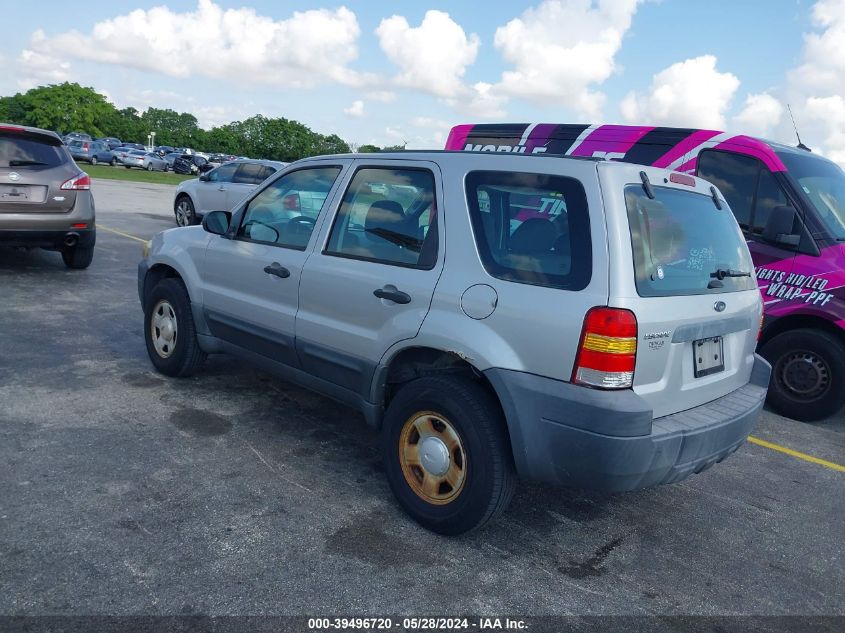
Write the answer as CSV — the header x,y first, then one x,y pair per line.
x,y
224,173
824,184
769,195
736,177
266,172
277,216
680,239
249,174
531,228
22,151
388,216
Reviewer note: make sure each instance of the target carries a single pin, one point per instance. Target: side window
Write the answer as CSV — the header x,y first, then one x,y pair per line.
x,y
224,173
388,216
249,174
285,212
531,228
266,172
769,195
736,177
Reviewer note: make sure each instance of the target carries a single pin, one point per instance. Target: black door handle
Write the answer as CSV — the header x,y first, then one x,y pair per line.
x,y
278,270
392,294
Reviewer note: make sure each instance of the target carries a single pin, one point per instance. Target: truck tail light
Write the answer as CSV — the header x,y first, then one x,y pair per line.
x,y
607,353
77,183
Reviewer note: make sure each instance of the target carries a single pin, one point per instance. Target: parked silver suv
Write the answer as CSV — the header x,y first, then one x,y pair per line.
x,y
567,320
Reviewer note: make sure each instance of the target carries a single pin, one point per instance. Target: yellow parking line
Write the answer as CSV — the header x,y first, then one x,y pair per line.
x,y
116,232
799,455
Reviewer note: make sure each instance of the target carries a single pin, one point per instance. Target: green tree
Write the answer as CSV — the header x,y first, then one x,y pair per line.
x,y
66,107
369,149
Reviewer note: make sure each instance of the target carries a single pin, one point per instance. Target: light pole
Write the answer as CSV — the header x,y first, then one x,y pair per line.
x,y
153,141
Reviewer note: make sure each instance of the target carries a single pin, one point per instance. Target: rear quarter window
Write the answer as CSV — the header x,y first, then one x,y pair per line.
x,y
531,228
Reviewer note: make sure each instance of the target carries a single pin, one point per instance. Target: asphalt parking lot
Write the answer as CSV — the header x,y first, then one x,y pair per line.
x,y
232,492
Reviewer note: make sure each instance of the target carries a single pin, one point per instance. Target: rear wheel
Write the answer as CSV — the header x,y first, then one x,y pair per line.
x,y
808,374
185,214
150,167
78,257
94,160
169,330
447,455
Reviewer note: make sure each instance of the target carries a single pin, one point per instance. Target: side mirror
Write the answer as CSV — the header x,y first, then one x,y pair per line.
x,y
780,226
204,177
216,222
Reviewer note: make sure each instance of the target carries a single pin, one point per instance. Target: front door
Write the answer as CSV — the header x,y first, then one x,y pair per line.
x,y
372,283
251,276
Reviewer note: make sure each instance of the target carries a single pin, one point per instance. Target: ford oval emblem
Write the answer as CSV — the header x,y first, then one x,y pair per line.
x,y
13,175
719,306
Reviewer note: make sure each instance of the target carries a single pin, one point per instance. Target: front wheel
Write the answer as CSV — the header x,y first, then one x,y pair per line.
x,y
185,215
114,162
169,330
447,455
808,374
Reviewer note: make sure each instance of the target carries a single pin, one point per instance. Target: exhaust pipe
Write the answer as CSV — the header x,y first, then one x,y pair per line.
x,y
71,239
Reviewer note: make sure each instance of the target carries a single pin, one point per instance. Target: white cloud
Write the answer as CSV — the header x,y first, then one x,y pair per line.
x,y
561,50
823,69
39,67
827,117
355,110
761,114
689,93
431,57
430,123
240,45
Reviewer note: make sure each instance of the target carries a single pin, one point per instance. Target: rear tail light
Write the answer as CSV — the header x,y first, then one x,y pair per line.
x,y
85,147
682,179
79,182
607,353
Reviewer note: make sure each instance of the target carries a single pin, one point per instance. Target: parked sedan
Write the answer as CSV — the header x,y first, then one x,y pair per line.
x,y
91,152
220,189
189,164
145,160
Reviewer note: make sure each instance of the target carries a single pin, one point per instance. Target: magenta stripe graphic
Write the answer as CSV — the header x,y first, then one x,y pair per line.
x,y
755,148
692,141
611,138
458,136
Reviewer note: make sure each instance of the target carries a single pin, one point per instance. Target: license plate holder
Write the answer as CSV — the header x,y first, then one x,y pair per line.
x,y
708,356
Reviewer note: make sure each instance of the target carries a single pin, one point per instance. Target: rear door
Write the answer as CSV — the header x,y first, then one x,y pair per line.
x,y
251,277
370,285
684,269
32,169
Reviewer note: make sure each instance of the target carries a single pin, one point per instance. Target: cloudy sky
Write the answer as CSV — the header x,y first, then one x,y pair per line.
x,y
387,73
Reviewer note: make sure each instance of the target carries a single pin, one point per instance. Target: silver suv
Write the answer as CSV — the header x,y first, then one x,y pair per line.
x,y
565,320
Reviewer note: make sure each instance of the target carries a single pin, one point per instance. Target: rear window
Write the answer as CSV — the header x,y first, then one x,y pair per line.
x,y
531,228
29,151
680,240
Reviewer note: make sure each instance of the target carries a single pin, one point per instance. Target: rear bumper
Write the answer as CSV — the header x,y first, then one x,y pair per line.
x,y
606,440
53,240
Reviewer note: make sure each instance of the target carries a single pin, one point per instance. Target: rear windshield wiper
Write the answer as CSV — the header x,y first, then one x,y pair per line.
x,y
721,273
24,163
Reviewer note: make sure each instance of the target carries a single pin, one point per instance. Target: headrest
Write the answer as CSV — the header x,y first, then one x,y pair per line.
x,y
536,235
384,214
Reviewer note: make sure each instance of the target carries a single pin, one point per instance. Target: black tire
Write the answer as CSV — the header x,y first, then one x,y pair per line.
x,y
150,167
186,356
490,479
114,162
94,160
808,374
78,257
128,166
184,211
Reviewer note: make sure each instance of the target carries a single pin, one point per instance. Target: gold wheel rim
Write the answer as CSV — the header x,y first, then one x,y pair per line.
x,y
432,457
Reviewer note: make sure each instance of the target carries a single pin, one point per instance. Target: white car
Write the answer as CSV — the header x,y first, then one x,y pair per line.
x,y
220,189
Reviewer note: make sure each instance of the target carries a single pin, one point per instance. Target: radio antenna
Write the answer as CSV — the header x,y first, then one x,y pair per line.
x,y
795,127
